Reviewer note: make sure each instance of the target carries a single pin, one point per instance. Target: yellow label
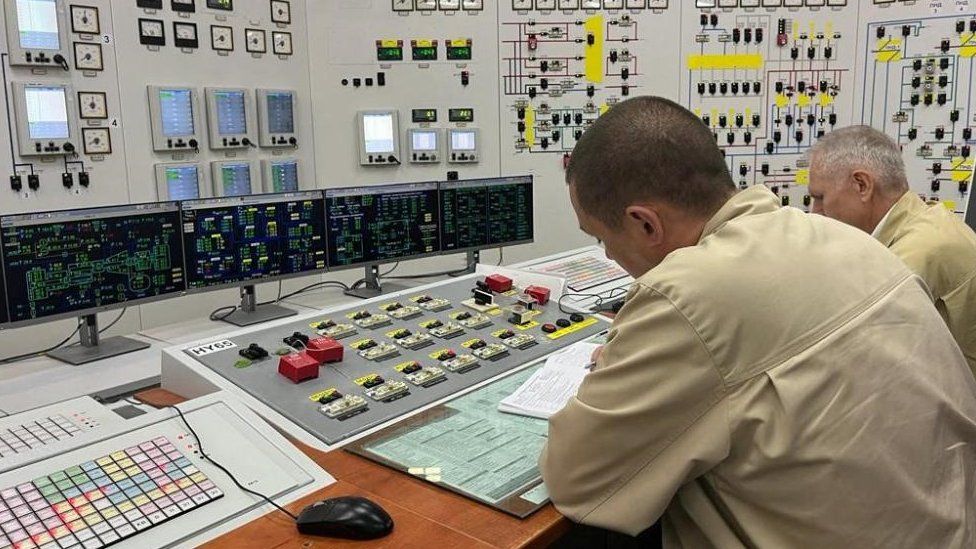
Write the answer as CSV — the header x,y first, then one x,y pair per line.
x,y
826,99
389,43
950,205
530,125
428,324
316,396
435,354
573,328
315,325
962,169
967,45
424,43
498,333
528,325
593,54
396,332
360,381
782,100
357,344
803,176
888,50
494,312
459,42
400,367
803,100
470,342
700,62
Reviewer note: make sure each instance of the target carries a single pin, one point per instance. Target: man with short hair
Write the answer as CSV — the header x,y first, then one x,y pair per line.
x,y
857,176
759,388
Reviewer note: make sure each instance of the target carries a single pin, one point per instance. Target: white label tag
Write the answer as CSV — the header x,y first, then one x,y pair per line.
x,y
214,347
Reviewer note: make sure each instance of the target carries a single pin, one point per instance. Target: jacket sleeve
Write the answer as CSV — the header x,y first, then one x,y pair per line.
x,y
648,419
960,314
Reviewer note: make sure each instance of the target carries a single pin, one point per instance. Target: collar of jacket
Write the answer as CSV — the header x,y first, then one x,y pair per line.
x,y
752,201
907,207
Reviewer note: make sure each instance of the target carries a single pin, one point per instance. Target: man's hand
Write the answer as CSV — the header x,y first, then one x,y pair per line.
x,y
596,354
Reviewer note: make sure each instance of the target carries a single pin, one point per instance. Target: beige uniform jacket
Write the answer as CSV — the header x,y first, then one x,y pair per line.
x,y
941,249
784,383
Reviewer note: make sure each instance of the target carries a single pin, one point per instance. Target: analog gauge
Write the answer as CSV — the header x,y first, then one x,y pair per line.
x,y
255,40
96,140
569,4
92,106
185,35
281,12
221,38
402,5
613,4
151,32
521,4
635,4
426,5
449,5
281,43
184,6
590,4
473,5
84,20
545,4
88,56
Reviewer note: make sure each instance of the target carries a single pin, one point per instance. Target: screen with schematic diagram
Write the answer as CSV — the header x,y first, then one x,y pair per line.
x,y
482,213
60,264
38,24
381,223
235,240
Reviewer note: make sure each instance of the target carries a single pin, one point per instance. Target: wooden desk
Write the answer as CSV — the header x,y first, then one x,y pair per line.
x,y
424,515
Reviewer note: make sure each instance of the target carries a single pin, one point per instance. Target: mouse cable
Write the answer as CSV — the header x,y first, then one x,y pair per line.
x,y
601,298
224,469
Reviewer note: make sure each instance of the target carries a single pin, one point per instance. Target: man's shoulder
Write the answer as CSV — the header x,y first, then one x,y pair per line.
x,y
938,246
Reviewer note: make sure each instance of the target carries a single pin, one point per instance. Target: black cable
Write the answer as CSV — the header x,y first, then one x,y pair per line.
x,y
114,322
216,317
600,298
224,469
452,272
38,353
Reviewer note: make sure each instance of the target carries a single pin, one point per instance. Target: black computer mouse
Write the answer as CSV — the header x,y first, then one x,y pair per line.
x,y
348,517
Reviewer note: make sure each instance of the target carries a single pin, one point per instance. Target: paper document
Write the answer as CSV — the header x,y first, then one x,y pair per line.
x,y
551,387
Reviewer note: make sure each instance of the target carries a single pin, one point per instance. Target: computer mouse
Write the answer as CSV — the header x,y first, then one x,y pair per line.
x,y
348,517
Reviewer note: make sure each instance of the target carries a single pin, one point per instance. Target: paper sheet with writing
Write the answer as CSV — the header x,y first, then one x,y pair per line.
x,y
551,387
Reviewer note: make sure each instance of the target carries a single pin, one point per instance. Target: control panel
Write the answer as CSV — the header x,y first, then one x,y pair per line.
x,y
340,372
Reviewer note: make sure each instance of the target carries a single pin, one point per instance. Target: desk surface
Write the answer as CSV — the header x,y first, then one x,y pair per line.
x,y
424,515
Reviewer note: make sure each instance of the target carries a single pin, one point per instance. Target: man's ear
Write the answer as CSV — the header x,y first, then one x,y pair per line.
x,y
864,185
646,222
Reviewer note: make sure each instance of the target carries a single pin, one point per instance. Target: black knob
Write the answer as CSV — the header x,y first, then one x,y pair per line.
x,y
293,141
68,147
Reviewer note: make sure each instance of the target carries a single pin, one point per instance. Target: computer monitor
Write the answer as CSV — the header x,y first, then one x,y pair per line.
x,y
4,316
280,176
485,213
367,226
80,262
178,181
249,239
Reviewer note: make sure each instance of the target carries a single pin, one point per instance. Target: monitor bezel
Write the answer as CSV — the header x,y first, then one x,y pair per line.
x,y
488,246
135,209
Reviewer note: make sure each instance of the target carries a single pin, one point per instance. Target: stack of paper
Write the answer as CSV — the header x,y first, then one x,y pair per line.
x,y
551,387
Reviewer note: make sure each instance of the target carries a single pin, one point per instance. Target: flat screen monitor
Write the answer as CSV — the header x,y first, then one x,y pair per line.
x,y
381,223
176,112
485,213
76,262
235,240
38,23
281,115
231,112
47,112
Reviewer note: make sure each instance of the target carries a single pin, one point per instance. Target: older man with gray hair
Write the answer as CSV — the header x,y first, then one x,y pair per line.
x,y
857,176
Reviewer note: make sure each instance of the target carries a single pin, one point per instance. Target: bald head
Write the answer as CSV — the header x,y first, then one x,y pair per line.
x,y
856,174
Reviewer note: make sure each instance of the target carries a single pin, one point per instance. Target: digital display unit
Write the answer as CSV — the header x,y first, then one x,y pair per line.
x,y
378,133
484,213
381,223
232,178
4,315
47,112
178,181
38,23
231,112
238,240
281,112
76,262
280,176
176,112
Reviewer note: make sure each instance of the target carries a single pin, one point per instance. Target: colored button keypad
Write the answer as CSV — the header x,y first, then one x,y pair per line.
x,y
22,438
103,501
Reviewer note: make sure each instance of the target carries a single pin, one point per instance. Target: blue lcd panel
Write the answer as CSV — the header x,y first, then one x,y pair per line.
x,y
284,176
182,182
235,179
65,263
176,112
38,24
240,239
281,115
231,112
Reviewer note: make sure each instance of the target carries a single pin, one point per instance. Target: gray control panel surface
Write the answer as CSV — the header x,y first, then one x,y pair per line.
x,y
308,404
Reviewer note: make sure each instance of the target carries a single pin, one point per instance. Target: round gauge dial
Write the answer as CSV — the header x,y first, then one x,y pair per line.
x,y
426,5
151,27
522,4
473,5
185,31
84,20
281,42
402,5
590,4
449,5
96,140
88,56
281,11
256,40
569,4
221,38
613,4
92,106
546,4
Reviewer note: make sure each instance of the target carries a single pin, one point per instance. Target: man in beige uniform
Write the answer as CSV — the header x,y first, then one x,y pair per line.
x,y
857,176
775,379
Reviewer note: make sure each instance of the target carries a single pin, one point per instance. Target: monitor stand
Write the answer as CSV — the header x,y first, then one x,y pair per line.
x,y
372,286
249,312
91,349
474,257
